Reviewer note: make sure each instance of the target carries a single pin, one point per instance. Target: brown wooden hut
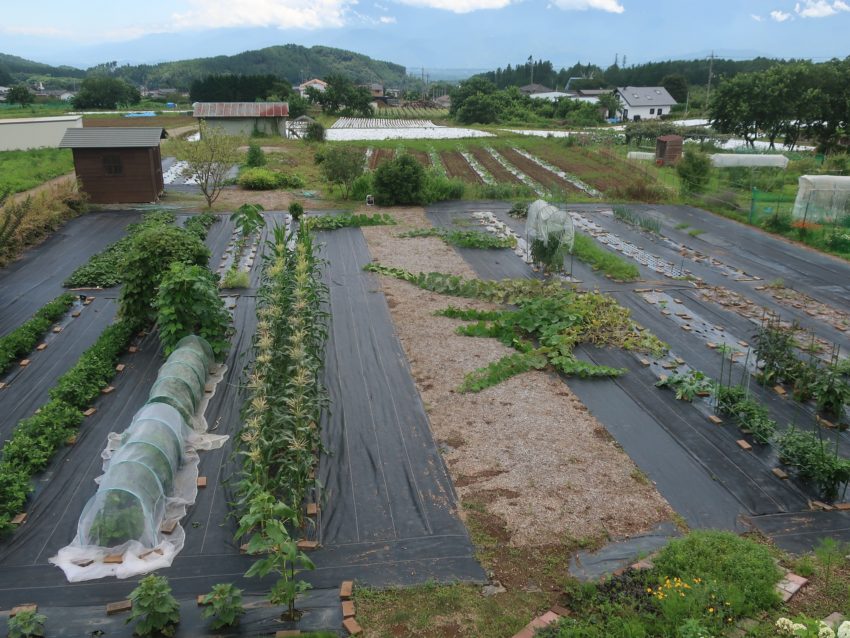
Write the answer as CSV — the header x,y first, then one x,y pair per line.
x,y
668,149
117,165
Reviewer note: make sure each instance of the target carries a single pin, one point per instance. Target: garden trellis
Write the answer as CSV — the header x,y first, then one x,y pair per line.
x,y
150,475
822,199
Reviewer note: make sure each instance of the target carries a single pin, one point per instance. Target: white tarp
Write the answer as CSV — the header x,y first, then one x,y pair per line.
x,y
640,155
822,198
730,160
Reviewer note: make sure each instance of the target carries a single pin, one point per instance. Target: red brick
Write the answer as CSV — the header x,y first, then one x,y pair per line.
x,y
743,444
202,481
346,589
348,609
352,627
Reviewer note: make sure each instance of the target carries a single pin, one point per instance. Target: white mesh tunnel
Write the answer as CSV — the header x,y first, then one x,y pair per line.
x,y
822,198
546,223
732,160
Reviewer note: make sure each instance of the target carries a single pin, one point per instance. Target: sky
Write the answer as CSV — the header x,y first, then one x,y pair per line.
x,y
435,34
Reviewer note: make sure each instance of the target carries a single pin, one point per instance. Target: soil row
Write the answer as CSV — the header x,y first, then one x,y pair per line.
x,y
457,166
499,173
421,157
602,172
379,156
536,172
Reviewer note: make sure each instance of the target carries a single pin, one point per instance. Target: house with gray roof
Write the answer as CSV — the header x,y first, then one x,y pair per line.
x,y
643,102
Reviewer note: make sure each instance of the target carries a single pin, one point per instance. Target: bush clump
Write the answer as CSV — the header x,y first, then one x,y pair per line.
x,y
255,157
399,181
265,179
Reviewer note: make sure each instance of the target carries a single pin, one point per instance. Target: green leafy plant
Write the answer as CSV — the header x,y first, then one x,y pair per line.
x,y
26,336
155,610
249,219
27,624
255,157
550,254
399,181
774,347
348,220
463,238
750,415
121,519
831,391
149,257
588,251
224,605
343,166
519,210
235,278
814,460
687,385
200,224
188,303
296,210
265,179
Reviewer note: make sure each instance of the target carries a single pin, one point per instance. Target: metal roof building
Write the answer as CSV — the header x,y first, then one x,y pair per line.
x,y
117,165
244,118
21,133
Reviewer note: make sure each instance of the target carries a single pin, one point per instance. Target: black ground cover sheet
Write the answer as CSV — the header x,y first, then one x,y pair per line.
x,y
388,516
697,466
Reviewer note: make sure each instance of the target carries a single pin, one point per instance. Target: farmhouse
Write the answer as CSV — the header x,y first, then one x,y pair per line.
x,y
244,118
375,90
117,165
316,83
18,134
643,102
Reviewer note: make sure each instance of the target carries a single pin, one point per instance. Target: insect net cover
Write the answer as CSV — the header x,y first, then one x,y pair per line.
x,y
547,223
822,198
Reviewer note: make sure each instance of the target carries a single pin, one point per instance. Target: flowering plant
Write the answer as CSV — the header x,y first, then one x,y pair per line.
x,y
802,627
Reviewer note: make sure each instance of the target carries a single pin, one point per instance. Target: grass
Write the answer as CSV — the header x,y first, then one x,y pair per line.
x,y
695,232
588,251
23,170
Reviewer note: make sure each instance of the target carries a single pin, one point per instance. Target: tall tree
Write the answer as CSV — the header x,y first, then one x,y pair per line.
x,y
20,94
677,86
209,159
104,92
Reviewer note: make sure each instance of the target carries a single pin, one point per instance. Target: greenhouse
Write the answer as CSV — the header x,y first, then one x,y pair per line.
x,y
130,502
745,160
822,198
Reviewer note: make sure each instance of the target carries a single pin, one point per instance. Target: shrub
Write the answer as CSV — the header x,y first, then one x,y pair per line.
x,y
155,609
149,256
778,223
315,132
255,157
362,186
400,180
694,170
438,188
341,166
742,569
235,278
188,304
296,209
27,624
260,179
224,605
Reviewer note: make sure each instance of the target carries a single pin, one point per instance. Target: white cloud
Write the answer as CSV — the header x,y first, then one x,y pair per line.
x,y
458,6
611,6
284,14
387,20
780,16
820,8
756,18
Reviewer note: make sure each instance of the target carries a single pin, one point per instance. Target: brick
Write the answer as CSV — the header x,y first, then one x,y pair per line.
x,y
779,390
90,411
2,385
834,619
822,506
348,609
305,545
22,608
168,526
561,611
118,607
150,552
120,367
25,363
352,627
703,393
743,344
642,565
312,509
57,329
202,481
687,328
286,633
114,559
799,581
743,444
40,347
88,300
107,389
711,345
644,362
83,562
346,590
208,388
20,519
75,314
662,377
779,473
715,419
842,506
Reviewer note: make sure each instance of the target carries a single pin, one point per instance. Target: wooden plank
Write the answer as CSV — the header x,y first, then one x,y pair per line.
x,y
118,607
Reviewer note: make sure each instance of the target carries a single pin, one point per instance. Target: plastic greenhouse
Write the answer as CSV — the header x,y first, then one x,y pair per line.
x,y
822,198
732,160
131,500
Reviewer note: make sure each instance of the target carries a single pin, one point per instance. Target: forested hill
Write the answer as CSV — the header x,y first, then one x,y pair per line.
x,y
290,62
695,72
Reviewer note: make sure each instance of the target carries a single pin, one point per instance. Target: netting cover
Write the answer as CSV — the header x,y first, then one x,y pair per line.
x,y
731,160
822,198
545,223
640,155
198,344
176,392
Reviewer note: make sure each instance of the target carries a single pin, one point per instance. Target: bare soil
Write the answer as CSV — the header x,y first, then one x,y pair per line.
x,y
379,156
457,166
499,172
536,172
526,451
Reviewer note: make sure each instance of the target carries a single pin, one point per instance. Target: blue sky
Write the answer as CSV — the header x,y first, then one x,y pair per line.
x,y
431,33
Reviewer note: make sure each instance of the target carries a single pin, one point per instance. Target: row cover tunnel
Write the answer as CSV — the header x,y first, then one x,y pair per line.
x,y
129,504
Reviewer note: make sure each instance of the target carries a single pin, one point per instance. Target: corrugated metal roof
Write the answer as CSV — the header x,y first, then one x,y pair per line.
x,y
113,137
241,109
646,96
34,120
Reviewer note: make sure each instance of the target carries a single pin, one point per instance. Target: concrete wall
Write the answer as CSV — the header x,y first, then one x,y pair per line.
x,y
19,134
246,125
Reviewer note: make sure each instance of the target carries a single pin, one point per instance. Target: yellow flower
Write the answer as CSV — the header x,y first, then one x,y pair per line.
x,y
711,610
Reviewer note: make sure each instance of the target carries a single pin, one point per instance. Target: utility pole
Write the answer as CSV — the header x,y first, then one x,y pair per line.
x,y
710,69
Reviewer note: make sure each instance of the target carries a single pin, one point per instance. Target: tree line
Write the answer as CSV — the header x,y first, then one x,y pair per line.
x,y
799,101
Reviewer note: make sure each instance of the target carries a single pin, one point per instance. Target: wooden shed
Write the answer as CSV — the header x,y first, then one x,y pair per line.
x,y
668,150
117,165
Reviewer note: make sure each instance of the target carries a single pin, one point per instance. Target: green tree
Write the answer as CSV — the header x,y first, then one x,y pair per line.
x,y
20,94
694,170
399,181
256,156
209,159
478,109
342,97
105,93
341,165
467,89
677,86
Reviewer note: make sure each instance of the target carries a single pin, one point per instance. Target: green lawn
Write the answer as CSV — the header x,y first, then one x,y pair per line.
x,y
22,170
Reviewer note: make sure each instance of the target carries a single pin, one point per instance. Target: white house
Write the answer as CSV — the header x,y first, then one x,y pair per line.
x,y
643,102
316,83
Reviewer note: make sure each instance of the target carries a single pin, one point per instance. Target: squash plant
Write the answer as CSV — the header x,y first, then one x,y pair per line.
x,y
224,605
687,385
155,610
27,624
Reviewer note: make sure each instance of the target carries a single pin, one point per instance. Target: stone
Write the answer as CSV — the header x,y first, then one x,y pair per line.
x,y
779,390
132,349
90,411
312,509
25,363
168,526
779,473
492,589
120,367
20,519
307,545
75,314
107,389
40,347
715,419
57,329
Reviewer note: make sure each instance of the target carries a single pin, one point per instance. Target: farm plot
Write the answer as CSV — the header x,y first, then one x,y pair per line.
x,y
536,172
379,156
457,166
600,169
354,128
499,172
420,156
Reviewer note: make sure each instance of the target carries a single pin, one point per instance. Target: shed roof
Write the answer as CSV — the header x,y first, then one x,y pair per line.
x,y
241,109
34,120
646,96
113,137
534,88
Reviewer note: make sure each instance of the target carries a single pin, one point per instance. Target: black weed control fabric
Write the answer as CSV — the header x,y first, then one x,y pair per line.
x,y
389,512
698,468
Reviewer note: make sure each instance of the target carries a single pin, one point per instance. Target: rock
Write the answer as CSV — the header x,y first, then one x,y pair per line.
x,y
493,588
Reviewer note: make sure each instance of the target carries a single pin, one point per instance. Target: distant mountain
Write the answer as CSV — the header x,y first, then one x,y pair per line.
x,y
291,62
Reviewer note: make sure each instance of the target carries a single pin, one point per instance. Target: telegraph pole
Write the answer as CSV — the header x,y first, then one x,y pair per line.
x,y
710,69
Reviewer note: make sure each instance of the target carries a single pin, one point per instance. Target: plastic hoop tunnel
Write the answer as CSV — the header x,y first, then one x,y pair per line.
x,y
130,502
